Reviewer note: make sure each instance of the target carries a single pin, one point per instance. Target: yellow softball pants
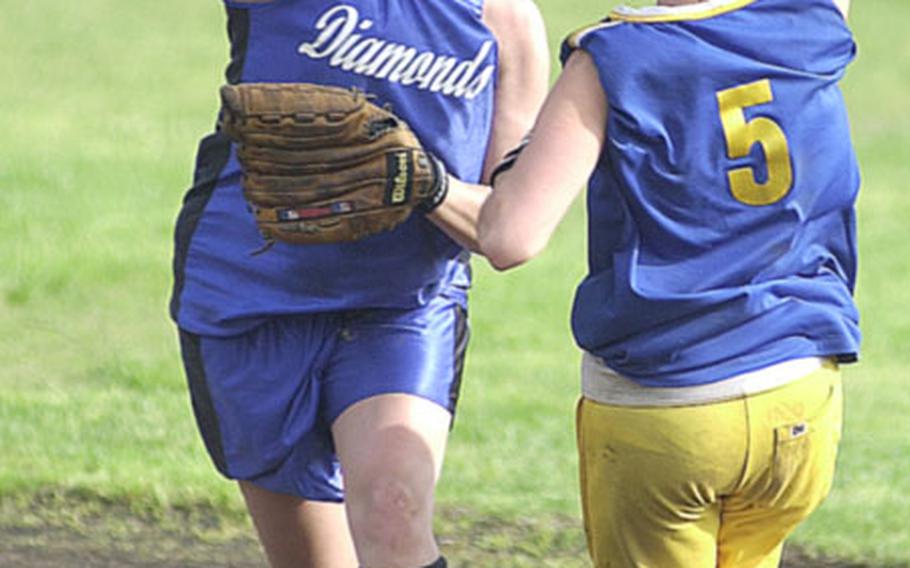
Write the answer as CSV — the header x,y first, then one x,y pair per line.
x,y
713,485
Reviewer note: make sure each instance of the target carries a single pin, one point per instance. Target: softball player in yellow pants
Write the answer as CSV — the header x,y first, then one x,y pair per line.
x,y
712,485
721,184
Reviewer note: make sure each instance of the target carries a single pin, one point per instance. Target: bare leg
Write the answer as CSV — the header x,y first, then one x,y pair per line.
x,y
391,449
297,533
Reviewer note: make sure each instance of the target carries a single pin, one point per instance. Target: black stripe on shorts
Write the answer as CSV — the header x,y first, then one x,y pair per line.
x,y
203,407
462,335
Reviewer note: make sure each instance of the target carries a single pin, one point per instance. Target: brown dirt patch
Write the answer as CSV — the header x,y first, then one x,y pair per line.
x,y
119,539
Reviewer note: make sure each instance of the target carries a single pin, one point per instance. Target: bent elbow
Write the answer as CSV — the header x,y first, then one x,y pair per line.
x,y
504,255
505,241
502,262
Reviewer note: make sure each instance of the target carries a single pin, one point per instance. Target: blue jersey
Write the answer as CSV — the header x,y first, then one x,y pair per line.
x,y
434,62
721,211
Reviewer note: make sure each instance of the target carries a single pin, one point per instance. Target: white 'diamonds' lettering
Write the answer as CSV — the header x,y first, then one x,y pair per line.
x,y
340,41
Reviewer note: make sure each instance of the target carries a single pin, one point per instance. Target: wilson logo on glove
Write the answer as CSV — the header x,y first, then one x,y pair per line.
x,y
400,171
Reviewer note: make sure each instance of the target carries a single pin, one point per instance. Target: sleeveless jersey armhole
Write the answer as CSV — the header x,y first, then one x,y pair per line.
x,y
575,40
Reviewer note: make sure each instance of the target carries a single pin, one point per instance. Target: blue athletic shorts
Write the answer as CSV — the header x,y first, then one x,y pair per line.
x,y
265,400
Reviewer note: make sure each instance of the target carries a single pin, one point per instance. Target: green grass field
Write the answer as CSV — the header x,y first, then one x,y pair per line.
x,y
101,106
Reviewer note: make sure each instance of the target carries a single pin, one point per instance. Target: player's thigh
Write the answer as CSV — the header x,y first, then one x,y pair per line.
x,y
395,437
652,481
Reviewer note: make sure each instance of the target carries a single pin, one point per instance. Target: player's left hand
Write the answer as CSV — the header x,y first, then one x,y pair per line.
x,y
324,164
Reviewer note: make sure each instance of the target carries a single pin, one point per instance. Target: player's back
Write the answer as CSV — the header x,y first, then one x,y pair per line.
x,y
721,213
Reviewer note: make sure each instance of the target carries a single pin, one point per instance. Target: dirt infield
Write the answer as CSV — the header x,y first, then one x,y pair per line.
x,y
66,548
64,531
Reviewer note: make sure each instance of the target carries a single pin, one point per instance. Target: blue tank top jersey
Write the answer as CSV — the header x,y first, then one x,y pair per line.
x,y
434,62
721,212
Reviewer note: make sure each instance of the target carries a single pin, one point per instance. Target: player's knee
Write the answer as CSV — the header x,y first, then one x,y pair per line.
x,y
393,511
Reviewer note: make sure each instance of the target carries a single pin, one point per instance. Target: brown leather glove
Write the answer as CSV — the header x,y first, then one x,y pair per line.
x,y
324,164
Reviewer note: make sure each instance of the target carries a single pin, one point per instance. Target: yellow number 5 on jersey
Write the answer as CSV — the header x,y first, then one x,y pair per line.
x,y
741,135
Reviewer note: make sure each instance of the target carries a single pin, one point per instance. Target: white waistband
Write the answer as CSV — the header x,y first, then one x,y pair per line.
x,y
602,384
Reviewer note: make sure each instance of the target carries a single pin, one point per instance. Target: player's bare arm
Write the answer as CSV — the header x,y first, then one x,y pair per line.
x,y
529,200
843,6
524,69
523,74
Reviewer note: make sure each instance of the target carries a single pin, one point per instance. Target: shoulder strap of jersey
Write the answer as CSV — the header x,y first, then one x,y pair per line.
x,y
696,11
574,40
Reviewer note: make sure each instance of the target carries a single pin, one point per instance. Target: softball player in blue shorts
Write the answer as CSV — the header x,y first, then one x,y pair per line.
x,y
324,378
718,303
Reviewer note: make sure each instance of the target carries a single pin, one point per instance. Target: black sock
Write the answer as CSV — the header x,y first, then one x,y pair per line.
x,y
440,563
